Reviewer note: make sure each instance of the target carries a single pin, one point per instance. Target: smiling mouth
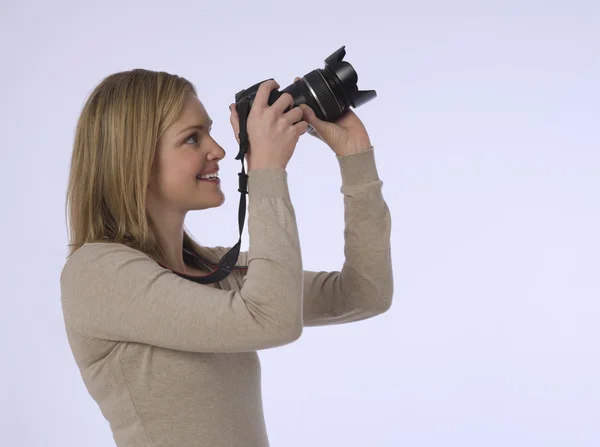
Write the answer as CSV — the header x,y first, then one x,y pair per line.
x,y
214,176
209,179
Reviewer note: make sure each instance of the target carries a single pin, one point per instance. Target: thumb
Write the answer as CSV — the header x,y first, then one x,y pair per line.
x,y
311,118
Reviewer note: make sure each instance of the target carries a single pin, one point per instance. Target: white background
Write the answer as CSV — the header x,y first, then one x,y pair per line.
x,y
487,138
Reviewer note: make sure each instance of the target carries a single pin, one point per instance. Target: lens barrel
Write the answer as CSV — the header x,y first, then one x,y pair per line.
x,y
328,91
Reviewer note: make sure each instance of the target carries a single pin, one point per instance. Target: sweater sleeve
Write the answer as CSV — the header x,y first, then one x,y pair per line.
x,y
364,287
113,292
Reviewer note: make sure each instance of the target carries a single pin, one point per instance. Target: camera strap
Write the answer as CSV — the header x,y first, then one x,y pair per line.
x,y
227,263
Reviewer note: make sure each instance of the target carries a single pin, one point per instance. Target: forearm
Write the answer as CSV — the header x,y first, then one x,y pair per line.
x,y
364,286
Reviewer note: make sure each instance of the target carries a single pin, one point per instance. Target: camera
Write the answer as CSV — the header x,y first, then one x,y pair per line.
x,y
328,91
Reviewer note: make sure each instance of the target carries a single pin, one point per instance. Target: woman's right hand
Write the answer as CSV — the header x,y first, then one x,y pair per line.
x,y
273,134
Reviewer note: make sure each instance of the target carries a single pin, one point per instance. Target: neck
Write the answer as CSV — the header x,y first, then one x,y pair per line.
x,y
169,233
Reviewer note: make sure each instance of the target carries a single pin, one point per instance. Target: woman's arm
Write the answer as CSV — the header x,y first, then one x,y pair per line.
x,y
364,286
113,292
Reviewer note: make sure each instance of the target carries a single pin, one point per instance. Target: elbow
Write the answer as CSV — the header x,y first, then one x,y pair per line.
x,y
389,296
287,335
385,299
295,327
387,304
297,332
291,326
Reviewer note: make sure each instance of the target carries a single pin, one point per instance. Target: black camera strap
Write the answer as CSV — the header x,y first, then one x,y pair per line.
x,y
227,263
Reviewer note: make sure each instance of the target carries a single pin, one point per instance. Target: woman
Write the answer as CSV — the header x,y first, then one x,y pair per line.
x,y
171,362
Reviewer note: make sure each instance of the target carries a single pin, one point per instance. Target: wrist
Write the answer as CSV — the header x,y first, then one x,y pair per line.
x,y
358,168
353,151
268,182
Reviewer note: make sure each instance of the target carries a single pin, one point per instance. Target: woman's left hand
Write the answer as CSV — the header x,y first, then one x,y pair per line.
x,y
345,136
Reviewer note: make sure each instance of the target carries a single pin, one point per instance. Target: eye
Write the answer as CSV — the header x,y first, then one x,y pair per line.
x,y
194,135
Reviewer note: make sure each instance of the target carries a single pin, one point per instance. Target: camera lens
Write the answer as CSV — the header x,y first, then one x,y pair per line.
x,y
328,91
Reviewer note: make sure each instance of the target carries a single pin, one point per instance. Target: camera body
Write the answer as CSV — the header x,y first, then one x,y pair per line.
x,y
329,91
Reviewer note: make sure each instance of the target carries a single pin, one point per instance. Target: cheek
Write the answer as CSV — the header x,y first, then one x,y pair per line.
x,y
182,167
177,177
181,178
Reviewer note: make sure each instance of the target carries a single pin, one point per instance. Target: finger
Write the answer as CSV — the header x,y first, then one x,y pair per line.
x,y
310,116
318,127
301,127
294,115
262,95
296,79
283,102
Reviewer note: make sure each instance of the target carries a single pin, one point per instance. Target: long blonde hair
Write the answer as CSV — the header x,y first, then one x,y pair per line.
x,y
113,155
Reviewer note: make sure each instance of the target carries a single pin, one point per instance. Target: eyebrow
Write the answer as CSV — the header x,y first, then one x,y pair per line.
x,y
196,126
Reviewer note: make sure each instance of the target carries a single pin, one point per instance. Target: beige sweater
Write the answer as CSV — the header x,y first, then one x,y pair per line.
x,y
174,363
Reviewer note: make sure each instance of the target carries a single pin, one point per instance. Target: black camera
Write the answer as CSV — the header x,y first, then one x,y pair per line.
x,y
329,91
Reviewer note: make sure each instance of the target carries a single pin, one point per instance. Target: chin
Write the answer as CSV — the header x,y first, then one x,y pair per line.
x,y
212,204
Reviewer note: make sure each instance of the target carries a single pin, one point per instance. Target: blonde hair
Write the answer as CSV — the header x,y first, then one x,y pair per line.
x,y
113,154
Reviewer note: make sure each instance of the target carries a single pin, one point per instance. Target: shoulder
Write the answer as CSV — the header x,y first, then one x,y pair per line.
x,y
101,270
94,250
98,256
100,248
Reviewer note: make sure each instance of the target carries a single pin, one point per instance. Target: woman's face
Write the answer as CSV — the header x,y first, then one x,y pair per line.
x,y
183,153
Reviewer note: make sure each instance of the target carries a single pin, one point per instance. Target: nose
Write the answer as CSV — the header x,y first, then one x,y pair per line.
x,y
217,152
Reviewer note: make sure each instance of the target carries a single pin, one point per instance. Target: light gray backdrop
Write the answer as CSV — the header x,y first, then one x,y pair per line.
x,y
486,133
